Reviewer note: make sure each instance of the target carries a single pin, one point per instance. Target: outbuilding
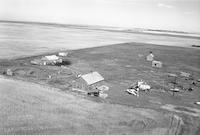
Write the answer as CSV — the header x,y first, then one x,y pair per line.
x,y
157,64
88,81
150,57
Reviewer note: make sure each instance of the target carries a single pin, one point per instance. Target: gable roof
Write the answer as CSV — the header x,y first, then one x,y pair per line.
x,y
92,78
51,57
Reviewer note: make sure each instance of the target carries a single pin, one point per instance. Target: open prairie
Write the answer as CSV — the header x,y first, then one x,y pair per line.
x,y
23,39
33,103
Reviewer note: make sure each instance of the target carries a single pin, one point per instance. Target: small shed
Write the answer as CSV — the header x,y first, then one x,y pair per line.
x,y
150,57
157,64
9,72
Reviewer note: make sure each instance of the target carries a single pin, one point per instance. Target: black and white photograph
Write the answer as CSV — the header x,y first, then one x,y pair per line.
x,y
99,67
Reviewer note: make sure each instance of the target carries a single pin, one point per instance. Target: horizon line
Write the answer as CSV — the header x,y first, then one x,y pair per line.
x,y
68,24
147,31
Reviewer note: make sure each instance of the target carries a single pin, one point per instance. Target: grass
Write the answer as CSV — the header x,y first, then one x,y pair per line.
x,y
121,65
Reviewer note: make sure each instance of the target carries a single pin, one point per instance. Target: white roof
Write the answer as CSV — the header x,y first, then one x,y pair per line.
x,y
62,53
52,57
185,74
92,78
155,61
150,57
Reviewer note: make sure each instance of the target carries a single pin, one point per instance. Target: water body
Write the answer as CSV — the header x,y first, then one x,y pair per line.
x,y
22,39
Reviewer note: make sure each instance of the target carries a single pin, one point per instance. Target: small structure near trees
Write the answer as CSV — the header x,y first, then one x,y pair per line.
x,y
47,60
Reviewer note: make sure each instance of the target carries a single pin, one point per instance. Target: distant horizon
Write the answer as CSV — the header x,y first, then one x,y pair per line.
x,y
124,28
171,15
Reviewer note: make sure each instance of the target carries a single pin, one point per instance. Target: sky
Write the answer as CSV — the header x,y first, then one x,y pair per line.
x,y
179,15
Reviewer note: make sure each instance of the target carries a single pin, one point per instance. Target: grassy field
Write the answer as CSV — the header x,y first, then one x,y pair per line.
x,y
121,65
34,109
28,39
